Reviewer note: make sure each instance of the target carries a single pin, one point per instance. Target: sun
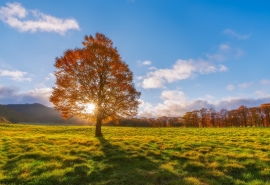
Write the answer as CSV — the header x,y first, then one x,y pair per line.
x,y
89,108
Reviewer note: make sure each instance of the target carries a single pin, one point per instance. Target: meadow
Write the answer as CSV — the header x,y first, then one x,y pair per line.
x,y
31,154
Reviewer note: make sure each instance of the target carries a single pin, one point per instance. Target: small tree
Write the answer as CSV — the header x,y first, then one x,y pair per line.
x,y
94,75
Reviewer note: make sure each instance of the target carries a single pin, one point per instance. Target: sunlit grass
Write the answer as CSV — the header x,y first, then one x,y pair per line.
x,y
71,155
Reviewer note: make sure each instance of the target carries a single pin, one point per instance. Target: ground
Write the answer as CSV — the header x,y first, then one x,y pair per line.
x,y
72,155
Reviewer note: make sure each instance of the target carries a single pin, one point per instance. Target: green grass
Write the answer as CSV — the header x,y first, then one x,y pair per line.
x,y
71,155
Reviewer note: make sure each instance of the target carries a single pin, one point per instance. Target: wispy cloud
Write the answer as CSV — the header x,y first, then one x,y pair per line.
x,y
239,53
3,64
50,77
224,47
245,85
181,70
262,94
15,15
265,81
224,52
15,75
236,35
230,87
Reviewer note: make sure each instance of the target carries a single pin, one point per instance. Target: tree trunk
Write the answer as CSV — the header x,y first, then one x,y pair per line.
x,y
98,127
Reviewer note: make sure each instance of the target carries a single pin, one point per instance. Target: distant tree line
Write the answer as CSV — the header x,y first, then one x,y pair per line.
x,y
162,121
241,117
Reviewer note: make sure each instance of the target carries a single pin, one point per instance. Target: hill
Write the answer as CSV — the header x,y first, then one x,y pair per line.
x,y
34,113
37,112
14,116
3,120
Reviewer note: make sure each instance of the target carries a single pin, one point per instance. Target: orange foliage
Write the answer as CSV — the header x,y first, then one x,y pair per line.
x,y
94,74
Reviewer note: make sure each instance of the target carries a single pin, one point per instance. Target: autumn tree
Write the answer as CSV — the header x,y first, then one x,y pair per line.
x,y
162,121
234,118
195,118
152,122
94,75
255,116
213,116
173,121
203,115
266,111
223,115
243,113
187,120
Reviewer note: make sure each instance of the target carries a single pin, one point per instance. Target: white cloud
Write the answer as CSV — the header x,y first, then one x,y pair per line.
x,y
172,105
245,85
15,15
175,103
181,70
184,69
147,62
222,68
174,95
230,87
152,82
15,75
265,81
147,109
152,68
39,93
12,95
234,34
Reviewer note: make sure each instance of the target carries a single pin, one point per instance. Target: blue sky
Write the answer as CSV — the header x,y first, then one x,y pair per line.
x,y
185,55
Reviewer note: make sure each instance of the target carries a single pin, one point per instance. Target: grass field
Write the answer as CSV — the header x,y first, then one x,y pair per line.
x,y
71,155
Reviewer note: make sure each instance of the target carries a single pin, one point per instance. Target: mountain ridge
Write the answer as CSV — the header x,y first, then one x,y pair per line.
x,y
35,113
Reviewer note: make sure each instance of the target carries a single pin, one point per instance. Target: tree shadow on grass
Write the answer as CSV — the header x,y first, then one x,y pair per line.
x,y
125,168
112,164
119,167
34,166
15,174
